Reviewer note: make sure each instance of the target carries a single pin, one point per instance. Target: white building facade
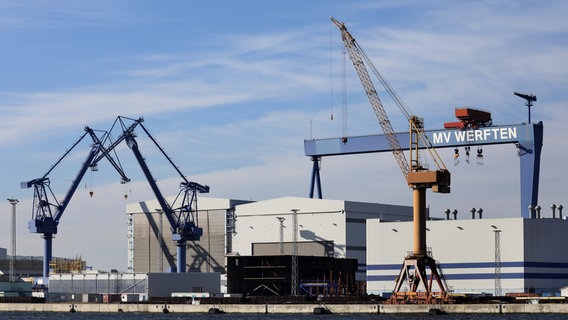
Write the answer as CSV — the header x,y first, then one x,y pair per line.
x,y
482,256
338,226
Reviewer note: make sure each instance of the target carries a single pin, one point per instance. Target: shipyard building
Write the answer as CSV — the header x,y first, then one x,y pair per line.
x,y
488,256
326,228
491,256
150,245
252,243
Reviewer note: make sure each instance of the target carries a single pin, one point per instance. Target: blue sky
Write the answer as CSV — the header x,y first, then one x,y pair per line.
x,y
232,88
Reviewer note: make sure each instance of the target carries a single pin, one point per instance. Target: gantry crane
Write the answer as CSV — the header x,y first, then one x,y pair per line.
x,y
47,210
417,176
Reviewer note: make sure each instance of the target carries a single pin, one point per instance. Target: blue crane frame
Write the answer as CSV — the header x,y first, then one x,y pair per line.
x,y
527,138
46,213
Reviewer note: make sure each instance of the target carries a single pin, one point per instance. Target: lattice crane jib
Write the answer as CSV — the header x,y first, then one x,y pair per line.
x,y
355,55
413,172
417,176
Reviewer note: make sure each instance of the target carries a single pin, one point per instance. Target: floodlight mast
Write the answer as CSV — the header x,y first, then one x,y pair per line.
x,y
530,99
13,202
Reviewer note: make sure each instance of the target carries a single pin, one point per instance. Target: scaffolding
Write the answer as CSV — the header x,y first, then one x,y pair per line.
x,y
64,265
271,275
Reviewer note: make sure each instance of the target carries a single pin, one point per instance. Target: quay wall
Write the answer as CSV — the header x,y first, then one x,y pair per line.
x,y
287,308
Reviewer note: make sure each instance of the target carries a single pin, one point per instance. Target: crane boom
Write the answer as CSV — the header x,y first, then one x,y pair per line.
x,y
183,218
47,210
44,220
416,173
106,153
417,177
356,57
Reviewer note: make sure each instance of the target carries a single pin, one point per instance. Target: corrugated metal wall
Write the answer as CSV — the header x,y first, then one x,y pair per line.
x,y
155,253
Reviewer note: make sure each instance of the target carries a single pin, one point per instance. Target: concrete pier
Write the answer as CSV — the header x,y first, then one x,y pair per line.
x,y
286,308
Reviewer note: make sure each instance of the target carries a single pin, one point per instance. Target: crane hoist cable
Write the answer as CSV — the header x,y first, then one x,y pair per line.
x,y
330,73
344,94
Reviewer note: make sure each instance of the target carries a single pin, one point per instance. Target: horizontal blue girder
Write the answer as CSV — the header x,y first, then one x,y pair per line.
x,y
439,138
527,138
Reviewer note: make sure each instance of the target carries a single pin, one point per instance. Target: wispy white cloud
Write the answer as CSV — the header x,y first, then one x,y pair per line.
x,y
233,113
41,15
182,84
439,68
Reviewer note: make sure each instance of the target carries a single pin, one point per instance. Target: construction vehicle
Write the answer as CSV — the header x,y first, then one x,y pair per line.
x,y
47,210
418,177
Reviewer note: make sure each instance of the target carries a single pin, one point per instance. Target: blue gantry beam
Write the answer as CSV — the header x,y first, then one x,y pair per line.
x,y
527,138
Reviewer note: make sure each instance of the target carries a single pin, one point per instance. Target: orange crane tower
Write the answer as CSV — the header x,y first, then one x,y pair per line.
x,y
418,177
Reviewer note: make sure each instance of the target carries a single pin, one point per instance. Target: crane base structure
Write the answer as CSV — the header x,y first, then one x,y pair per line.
x,y
414,272
414,269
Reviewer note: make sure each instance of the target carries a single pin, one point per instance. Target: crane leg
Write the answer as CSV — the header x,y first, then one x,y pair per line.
x,y
47,254
316,181
419,212
181,256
